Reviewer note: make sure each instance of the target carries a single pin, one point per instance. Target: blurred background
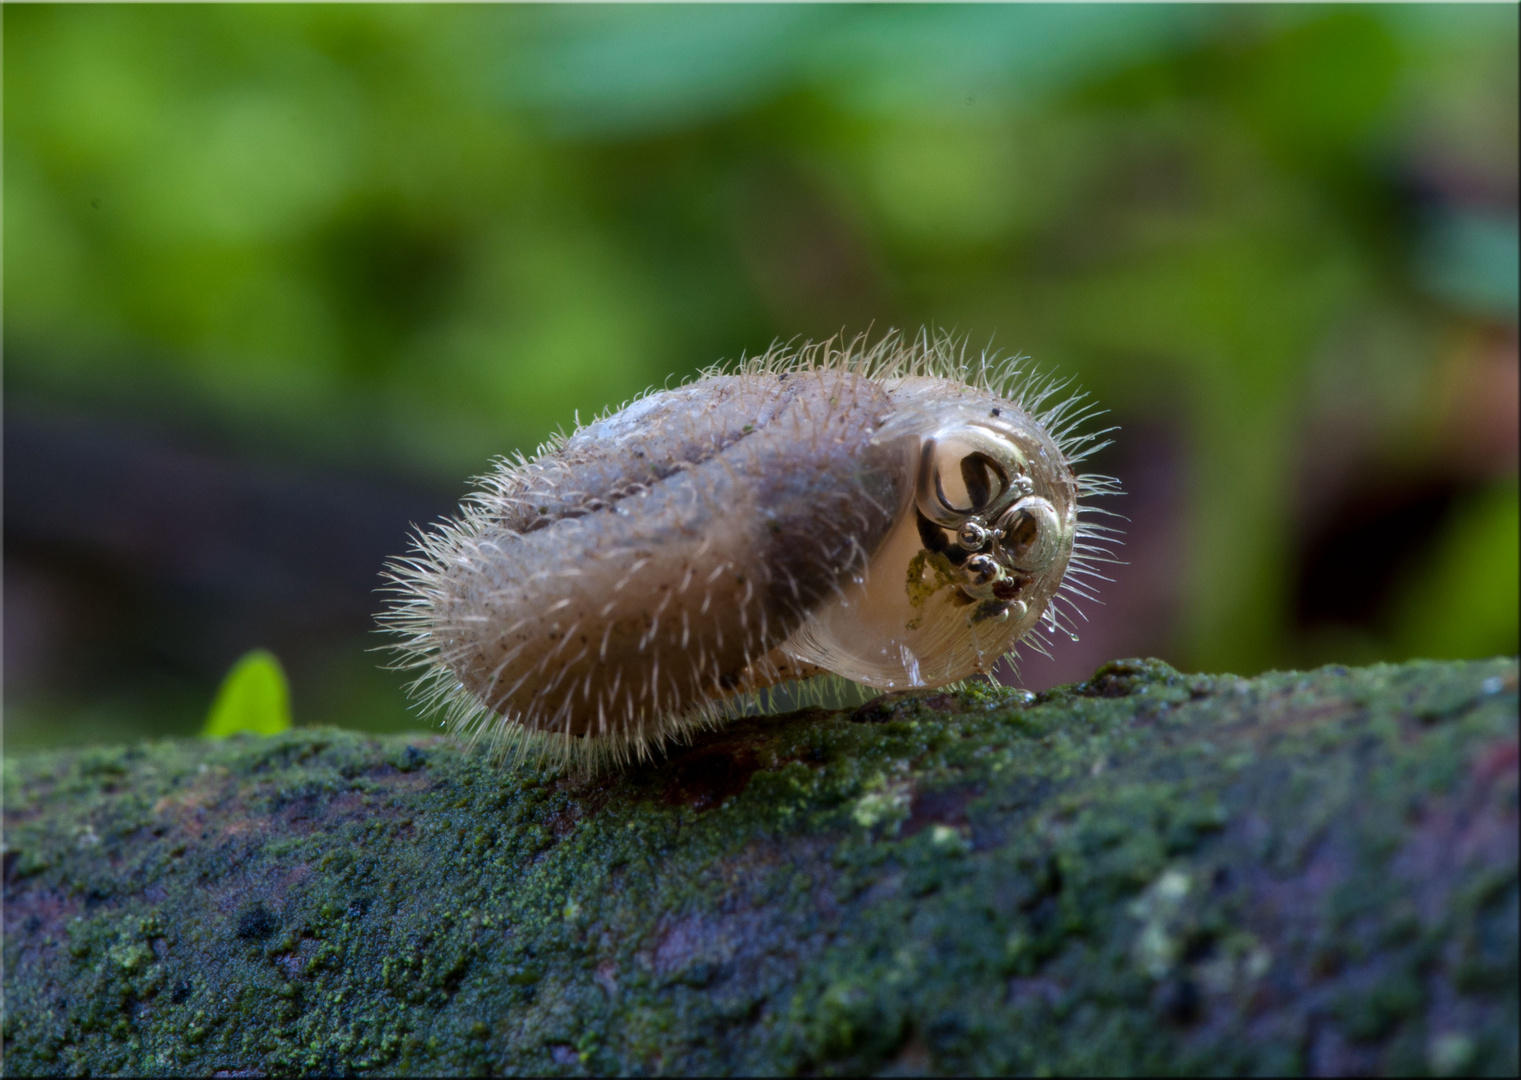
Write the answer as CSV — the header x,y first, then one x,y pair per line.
x,y
279,279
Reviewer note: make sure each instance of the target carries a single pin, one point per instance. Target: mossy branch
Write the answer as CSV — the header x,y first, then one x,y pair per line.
x,y
1150,871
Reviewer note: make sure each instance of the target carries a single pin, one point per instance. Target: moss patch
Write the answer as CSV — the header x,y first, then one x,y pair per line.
x,y
1147,871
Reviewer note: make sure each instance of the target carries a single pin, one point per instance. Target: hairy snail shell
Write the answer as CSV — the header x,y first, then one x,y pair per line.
x,y
894,515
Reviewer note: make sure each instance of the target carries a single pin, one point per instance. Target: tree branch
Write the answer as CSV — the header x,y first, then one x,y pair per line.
x,y
1148,871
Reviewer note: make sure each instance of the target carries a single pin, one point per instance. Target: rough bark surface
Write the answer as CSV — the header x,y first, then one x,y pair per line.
x,y
1304,872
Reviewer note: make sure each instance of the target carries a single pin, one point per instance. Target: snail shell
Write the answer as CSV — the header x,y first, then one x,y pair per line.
x,y
891,514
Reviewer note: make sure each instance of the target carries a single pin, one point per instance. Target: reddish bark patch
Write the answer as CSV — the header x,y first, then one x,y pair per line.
x,y
900,704
1496,760
937,808
704,777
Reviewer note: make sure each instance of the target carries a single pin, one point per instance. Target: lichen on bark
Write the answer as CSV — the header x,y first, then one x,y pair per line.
x,y
1148,871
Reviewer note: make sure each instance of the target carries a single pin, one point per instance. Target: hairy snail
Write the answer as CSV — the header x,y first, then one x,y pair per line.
x,y
893,514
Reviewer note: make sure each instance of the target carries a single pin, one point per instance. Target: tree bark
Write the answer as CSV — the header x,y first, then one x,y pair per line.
x,y
1149,871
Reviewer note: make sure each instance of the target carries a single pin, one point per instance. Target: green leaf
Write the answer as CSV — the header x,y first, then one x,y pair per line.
x,y
254,697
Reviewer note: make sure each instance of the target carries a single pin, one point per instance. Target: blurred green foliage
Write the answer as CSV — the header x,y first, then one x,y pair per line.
x,y
419,236
1464,603
254,698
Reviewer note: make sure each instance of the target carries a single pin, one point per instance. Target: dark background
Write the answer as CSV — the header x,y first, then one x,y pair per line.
x,y
278,279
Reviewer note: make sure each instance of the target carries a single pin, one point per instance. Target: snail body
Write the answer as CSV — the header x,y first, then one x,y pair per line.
x,y
890,515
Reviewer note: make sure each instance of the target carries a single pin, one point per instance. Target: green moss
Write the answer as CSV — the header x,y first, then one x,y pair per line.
x,y
1144,871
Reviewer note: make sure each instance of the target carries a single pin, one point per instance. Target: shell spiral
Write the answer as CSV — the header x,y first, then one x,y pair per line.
x,y
891,514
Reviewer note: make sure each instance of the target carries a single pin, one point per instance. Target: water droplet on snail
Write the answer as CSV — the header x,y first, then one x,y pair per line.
x,y
896,514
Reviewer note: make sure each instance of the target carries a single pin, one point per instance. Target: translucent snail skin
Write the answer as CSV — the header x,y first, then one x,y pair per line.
x,y
894,514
